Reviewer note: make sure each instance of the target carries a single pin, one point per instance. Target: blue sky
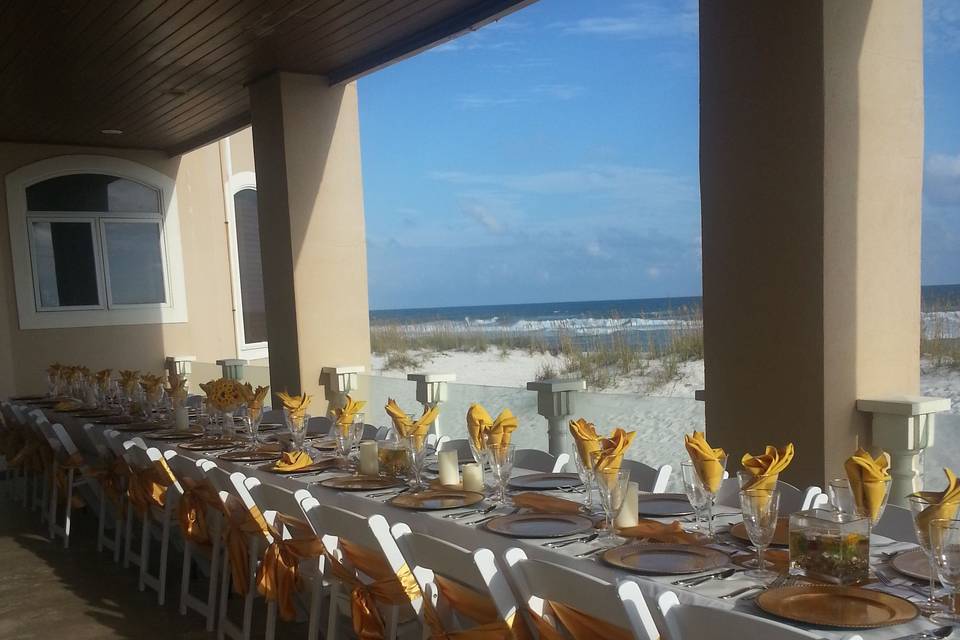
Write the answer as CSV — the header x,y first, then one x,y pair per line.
x,y
553,156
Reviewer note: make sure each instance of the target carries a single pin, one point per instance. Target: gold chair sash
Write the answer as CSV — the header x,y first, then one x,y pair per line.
x,y
479,608
192,511
279,576
110,477
580,625
147,487
240,523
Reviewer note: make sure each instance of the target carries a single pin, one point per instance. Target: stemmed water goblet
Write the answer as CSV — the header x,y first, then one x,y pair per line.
x,y
711,493
921,525
297,426
501,463
761,509
612,487
417,451
585,471
945,550
696,495
356,433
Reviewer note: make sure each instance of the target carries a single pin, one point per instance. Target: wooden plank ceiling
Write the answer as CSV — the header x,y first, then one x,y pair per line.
x,y
172,74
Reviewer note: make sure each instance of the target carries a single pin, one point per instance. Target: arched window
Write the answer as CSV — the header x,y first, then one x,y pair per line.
x,y
95,241
251,318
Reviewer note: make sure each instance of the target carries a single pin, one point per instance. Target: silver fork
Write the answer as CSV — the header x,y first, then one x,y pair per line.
x,y
556,544
888,581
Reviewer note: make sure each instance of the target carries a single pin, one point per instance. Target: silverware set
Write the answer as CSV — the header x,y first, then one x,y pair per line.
x,y
718,575
472,512
557,544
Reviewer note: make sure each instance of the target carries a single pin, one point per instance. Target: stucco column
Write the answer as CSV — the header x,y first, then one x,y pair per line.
x,y
811,126
556,403
232,368
306,140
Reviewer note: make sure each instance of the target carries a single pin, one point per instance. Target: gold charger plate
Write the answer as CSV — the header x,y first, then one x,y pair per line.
x,y
835,606
208,445
361,483
143,426
436,499
781,537
27,398
665,559
664,505
174,434
539,525
92,413
323,464
115,420
912,563
546,481
251,455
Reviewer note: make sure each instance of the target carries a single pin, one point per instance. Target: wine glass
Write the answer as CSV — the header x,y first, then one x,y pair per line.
x,y
585,471
694,489
612,487
841,497
356,433
945,549
917,506
501,463
251,420
711,494
760,510
298,428
418,455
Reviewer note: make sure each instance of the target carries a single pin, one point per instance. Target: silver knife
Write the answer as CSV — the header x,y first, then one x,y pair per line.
x,y
931,634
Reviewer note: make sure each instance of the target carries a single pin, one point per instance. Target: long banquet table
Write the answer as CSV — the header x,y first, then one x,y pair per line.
x,y
473,537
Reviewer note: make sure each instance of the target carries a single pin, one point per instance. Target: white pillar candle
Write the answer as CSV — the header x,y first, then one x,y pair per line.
x,y
449,462
181,418
631,505
369,460
473,477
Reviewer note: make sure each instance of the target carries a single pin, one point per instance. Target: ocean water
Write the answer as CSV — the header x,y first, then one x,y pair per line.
x,y
638,320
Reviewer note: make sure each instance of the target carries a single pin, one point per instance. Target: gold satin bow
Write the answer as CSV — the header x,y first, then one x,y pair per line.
x,y
486,430
240,523
579,625
475,606
198,495
147,487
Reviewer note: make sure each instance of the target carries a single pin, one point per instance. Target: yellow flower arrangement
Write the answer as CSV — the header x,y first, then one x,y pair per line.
x,y
224,394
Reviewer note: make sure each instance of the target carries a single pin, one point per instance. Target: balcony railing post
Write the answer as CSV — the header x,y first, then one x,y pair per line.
x,y
556,403
337,382
903,426
232,369
432,391
180,366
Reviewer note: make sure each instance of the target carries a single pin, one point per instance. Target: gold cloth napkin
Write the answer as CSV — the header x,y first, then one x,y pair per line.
x,y
254,399
293,460
706,460
407,427
545,503
868,478
943,504
610,455
766,468
585,437
296,406
345,414
671,533
482,427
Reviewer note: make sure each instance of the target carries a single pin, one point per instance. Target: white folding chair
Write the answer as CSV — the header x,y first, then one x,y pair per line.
x,y
39,482
68,467
539,583
693,622
208,557
537,460
330,524
156,522
429,557
108,461
651,480
272,500
792,499
896,523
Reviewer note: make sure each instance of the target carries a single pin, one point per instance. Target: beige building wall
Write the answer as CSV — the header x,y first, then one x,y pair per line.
x,y
208,334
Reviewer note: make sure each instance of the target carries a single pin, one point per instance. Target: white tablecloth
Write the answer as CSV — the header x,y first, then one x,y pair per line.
x,y
472,537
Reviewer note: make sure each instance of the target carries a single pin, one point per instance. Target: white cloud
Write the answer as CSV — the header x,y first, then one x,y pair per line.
x,y
653,273
477,101
645,20
942,26
482,214
594,249
942,179
559,91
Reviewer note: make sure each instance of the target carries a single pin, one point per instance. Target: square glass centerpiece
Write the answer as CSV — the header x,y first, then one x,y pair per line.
x,y
830,546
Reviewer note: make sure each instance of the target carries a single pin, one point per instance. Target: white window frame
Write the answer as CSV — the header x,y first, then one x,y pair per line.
x,y
30,314
245,350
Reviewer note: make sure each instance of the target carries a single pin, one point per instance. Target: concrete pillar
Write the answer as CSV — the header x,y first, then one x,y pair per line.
x,y
811,145
337,382
306,140
555,402
903,427
432,391
232,369
179,366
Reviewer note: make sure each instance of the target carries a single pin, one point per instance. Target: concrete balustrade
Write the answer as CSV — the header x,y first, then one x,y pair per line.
x,y
432,391
180,366
556,402
337,383
232,369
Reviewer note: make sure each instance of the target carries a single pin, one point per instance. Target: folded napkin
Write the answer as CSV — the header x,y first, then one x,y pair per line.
x,y
868,478
943,504
345,414
296,406
610,455
586,438
293,460
706,460
177,389
254,399
407,427
484,429
766,468
129,380
671,533
545,503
